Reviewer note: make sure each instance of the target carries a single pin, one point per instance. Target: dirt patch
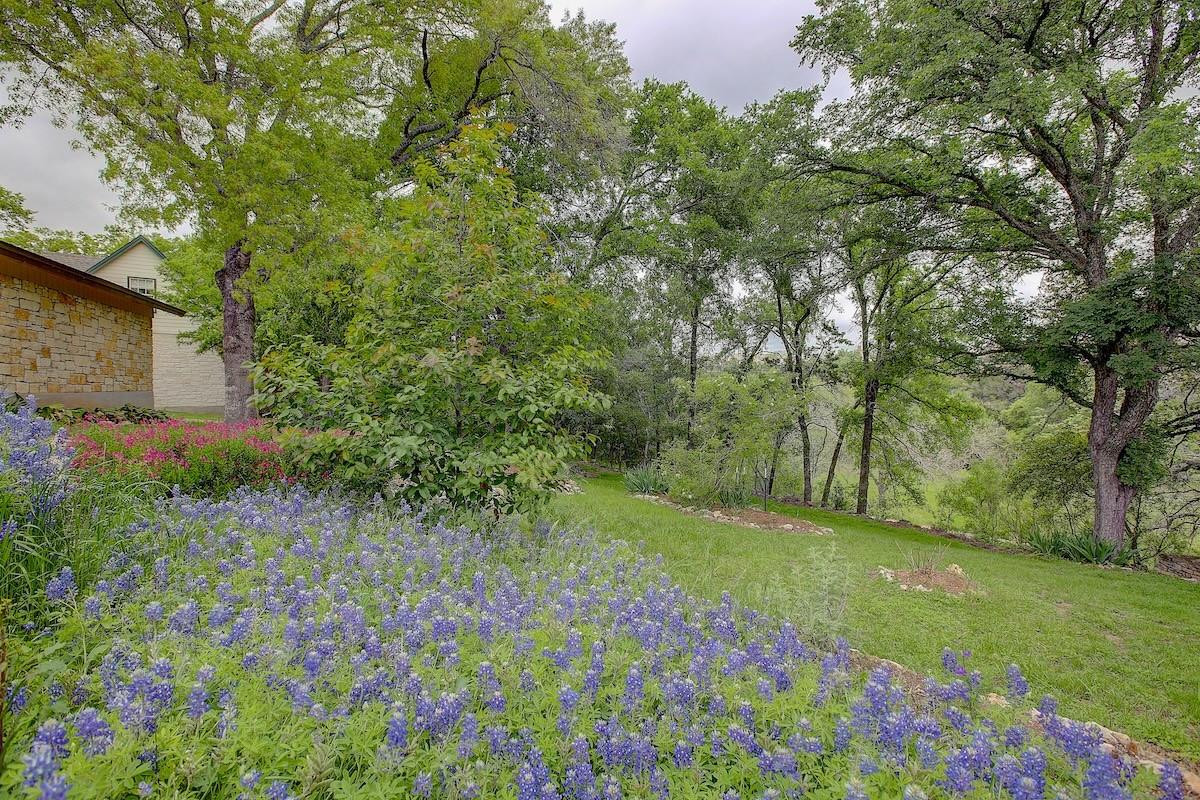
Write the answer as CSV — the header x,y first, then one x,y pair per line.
x,y
951,580
746,517
1181,566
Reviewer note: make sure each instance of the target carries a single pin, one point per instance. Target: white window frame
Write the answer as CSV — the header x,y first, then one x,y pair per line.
x,y
149,291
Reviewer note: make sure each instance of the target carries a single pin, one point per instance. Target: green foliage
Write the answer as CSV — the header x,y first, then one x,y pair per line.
x,y
815,596
1045,151
465,351
647,479
1081,547
13,213
1053,468
741,424
981,503
66,241
92,523
60,415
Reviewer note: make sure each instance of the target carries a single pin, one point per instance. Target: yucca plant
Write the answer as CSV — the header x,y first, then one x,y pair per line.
x,y
646,479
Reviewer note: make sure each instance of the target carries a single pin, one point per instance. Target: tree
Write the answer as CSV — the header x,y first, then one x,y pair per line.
x,y
1063,138
270,124
793,278
678,205
13,213
233,116
64,241
465,353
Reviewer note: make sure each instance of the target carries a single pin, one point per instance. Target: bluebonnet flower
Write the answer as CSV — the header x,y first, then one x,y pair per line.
x,y
855,791
53,734
1102,778
278,790
54,787
61,587
1018,687
94,730
1170,782
40,763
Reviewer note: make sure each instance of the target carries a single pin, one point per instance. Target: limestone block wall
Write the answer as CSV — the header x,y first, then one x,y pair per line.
x,y
185,380
72,350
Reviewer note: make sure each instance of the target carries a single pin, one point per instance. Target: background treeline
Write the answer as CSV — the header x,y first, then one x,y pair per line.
x,y
458,240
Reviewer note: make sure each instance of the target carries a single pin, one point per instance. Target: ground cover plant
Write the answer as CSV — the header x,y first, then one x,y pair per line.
x,y
199,458
53,516
1115,646
288,644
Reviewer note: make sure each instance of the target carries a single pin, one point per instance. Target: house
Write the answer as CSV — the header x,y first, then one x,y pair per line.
x,y
184,380
72,338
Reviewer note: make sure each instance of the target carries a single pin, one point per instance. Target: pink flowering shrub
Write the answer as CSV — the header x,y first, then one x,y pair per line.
x,y
204,459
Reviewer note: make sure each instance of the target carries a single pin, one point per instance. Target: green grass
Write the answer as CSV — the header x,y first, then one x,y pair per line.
x,y
1119,648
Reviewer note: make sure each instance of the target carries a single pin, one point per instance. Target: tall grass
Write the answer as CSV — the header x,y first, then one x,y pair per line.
x,y
81,533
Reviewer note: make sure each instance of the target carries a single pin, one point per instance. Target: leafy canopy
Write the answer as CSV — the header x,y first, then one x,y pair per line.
x,y
464,353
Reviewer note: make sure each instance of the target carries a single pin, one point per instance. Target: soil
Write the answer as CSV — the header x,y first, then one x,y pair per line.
x,y
1181,566
951,580
747,517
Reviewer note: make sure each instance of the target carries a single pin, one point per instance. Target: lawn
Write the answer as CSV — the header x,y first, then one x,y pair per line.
x,y
1117,647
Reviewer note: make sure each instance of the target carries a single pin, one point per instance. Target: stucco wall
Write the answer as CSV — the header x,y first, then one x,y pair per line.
x,y
72,350
184,380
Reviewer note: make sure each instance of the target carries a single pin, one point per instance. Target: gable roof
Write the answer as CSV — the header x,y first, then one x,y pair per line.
x,y
78,261
42,268
125,248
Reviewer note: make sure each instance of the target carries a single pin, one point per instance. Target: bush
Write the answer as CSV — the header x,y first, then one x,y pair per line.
x,y
299,648
203,459
466,354
126,413
701,477
645,480
1082,547
984,503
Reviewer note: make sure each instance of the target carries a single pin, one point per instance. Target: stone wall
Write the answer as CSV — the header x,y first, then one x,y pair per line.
x,y
72,350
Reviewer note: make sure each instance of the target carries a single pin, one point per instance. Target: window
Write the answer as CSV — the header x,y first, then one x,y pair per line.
x,y
148,286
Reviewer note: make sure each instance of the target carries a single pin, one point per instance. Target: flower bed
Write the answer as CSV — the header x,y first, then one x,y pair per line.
x,y
286,645
208,459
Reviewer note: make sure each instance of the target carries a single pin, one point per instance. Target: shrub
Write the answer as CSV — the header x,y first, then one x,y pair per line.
x,y
126,413
1082,547
205,459
701,477
646,479
466,353
298,648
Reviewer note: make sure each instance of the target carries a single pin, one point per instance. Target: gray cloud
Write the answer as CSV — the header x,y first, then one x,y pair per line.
x,y
734,53
61,183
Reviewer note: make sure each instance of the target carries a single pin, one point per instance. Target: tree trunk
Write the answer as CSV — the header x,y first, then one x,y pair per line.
x,y
1110,431
693,371
870,395
238,318
1112,499
833,463
806,458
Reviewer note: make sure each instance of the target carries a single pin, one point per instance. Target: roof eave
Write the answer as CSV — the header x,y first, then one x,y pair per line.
x,y
87,277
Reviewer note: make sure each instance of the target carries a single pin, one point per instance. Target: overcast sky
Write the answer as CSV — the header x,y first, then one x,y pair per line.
x,y
734,53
